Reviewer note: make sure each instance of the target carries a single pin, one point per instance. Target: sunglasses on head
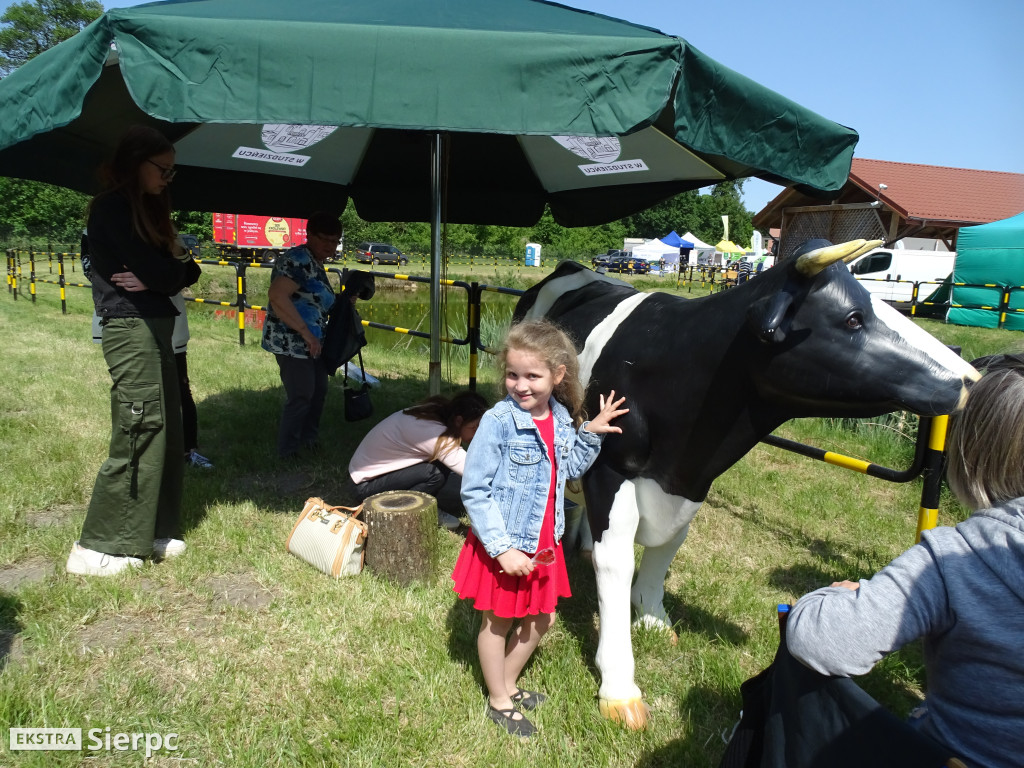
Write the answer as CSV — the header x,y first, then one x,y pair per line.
x,y
167,174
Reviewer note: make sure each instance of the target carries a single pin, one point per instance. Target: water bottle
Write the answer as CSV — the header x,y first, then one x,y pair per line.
x,y
783,610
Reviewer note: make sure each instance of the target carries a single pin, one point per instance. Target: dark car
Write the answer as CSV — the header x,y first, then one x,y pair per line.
x,y
627,265
191,243
603,259
379,253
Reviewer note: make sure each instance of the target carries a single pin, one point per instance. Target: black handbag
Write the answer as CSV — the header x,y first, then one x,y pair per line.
x,y
358,405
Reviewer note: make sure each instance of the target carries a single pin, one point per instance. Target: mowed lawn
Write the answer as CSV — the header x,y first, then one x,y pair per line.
x,y
252,658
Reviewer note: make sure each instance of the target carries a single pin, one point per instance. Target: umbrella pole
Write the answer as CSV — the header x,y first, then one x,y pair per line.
x,y
435,266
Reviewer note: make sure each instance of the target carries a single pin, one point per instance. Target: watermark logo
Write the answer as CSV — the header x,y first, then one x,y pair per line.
x,y
96,740
46,739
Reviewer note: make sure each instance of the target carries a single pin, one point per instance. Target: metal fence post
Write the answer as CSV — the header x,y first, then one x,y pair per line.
x,y
61,283
241,301
935,457
473,331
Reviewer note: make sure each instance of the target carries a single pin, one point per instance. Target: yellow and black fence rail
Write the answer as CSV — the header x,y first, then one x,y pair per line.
x,y
931,434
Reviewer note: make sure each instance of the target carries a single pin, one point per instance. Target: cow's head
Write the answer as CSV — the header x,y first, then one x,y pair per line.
x,y
828,347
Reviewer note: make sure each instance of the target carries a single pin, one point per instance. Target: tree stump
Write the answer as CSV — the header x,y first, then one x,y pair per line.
x,y
402,540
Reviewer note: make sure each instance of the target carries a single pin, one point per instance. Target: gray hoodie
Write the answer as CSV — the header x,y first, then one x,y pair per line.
x,y
961,590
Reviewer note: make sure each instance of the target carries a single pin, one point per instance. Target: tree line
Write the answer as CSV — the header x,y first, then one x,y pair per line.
x,y
37,214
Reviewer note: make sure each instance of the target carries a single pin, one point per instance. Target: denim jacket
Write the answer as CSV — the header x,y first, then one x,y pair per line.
x,y
508,474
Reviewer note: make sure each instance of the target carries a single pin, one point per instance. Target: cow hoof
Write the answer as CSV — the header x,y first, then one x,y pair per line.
x,y
632,713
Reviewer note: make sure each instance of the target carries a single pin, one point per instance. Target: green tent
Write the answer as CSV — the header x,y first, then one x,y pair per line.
x,y
989,259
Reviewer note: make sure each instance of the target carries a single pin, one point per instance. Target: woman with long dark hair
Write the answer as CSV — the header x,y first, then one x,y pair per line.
x,y
135,508
420,449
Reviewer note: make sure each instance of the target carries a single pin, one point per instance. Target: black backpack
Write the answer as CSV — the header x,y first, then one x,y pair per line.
x,y
344,336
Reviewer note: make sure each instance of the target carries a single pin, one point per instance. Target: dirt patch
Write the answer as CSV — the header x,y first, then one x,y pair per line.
x,y
47,518
12,648
240,591
110,633
14,577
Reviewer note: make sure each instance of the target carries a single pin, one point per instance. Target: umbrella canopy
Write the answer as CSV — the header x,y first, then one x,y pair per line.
x,y
282,108
464,111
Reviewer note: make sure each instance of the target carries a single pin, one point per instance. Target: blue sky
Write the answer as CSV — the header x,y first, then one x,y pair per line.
x,y
937,82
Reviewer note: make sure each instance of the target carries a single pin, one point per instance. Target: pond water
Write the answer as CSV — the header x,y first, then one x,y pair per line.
x,y
411,310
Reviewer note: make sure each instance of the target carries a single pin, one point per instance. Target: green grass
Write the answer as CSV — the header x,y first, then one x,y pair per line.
x,y
254,659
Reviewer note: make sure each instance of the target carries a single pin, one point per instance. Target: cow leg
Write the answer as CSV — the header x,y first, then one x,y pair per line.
x,y
664,523
619,698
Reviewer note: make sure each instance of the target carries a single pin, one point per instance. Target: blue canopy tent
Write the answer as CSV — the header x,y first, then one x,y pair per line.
x,y
675,240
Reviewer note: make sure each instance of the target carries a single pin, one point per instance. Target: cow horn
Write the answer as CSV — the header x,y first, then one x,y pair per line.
x,y
868,245
813,262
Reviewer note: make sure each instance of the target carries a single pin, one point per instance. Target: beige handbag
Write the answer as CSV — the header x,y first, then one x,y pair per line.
x,y
328,539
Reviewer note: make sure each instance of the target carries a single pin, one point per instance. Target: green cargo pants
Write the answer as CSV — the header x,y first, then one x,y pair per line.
x,y
137,496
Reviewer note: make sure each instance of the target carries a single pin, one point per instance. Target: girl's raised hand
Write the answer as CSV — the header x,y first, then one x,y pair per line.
x,y
609,410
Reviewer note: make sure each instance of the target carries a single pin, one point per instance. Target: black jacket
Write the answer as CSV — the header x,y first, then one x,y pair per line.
x,y
115,247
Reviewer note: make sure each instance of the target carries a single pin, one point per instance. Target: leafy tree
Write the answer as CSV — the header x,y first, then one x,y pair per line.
x,y
696,213
194,223
39,25
35,210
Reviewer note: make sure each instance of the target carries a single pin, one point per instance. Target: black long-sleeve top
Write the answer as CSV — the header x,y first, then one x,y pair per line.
x,y
114,246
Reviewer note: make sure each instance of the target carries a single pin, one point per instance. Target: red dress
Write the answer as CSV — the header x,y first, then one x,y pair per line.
x,y
478,576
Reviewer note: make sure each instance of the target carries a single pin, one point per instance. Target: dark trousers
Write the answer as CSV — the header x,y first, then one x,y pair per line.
x,y
434,479
793,717
137,495
189,415
305,387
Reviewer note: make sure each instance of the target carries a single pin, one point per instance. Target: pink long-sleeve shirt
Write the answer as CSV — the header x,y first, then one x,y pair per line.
x,y
397,442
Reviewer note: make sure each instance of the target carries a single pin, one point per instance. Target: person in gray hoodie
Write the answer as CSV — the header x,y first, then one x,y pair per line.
x,y
960,589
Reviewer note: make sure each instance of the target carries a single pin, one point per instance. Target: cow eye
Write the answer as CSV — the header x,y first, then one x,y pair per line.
x,y
855,321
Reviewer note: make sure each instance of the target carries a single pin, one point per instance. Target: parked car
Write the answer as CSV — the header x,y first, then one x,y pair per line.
x,y
627,265
603,259
191,243
379,253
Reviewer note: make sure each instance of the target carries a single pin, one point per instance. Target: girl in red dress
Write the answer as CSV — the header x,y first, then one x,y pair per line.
x,y
525,449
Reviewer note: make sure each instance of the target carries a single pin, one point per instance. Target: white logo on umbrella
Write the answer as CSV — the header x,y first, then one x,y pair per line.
x,y
597,149
281,137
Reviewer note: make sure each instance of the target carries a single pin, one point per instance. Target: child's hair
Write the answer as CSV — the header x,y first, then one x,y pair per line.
x,y
551,344
464,408
151,214
986,439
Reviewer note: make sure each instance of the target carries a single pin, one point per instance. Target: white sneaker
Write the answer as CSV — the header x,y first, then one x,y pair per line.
x,y
89,562
195,459
164,548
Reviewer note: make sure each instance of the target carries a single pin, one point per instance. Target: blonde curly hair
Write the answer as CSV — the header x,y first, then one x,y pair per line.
x,y
547,341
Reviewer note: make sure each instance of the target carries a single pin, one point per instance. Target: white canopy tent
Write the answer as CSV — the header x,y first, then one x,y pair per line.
x,y
655,250
700,248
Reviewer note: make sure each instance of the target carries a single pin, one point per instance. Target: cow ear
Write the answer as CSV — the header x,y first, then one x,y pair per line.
x,y
766,314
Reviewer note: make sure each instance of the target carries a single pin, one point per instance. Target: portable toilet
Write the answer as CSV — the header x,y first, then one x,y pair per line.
x,y
533,254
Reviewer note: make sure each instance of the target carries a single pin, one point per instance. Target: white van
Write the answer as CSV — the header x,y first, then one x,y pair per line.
x,y
891,272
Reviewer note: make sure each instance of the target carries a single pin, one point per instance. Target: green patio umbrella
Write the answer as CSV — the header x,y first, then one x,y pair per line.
x,y
464,111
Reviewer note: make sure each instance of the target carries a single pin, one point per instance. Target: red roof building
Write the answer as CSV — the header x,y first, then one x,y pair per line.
x,y
898,200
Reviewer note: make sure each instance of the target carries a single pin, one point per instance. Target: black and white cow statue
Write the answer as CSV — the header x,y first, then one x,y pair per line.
x,y
801,339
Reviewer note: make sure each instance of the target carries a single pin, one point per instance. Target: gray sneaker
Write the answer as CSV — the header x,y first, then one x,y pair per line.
x,y
195,459
89,562
451,522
